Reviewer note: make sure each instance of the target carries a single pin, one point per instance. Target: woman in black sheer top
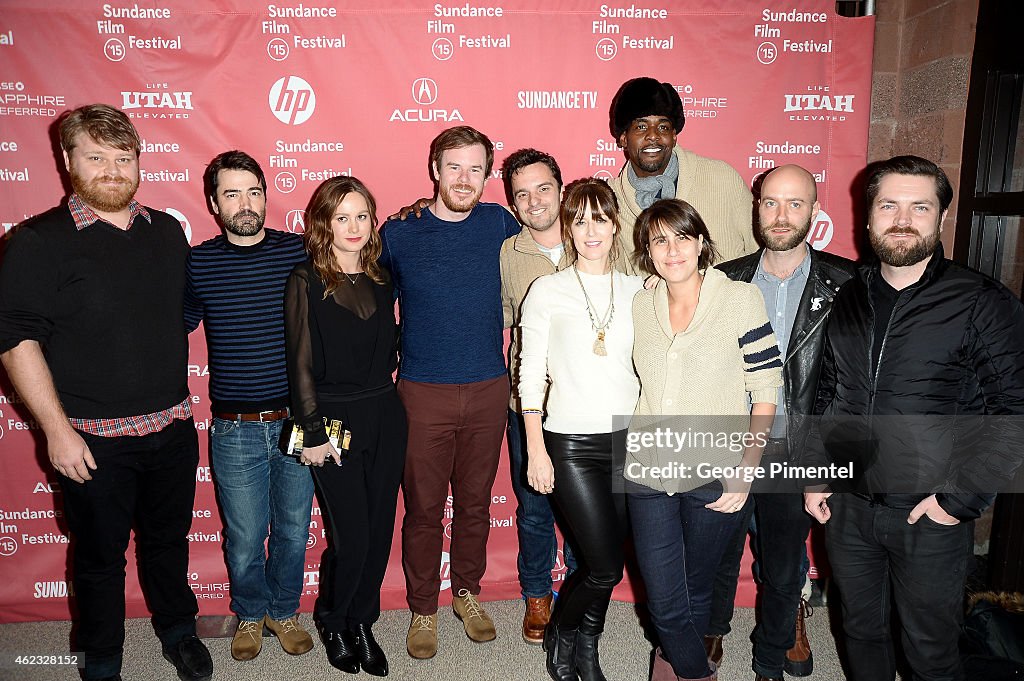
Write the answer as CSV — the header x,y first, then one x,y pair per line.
x,y
341,342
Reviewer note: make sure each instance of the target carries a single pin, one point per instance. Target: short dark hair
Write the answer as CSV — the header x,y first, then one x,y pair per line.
x,y
231,160
909,165
518,160
456,138
102,122
678,217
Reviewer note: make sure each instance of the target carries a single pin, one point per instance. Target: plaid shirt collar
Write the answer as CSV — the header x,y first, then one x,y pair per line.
x,y
85,216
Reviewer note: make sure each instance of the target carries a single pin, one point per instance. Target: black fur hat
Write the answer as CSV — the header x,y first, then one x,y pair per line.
x,y
644,96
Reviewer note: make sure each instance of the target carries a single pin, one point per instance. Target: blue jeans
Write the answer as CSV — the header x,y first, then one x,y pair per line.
x,y
259,487
535,521
678,546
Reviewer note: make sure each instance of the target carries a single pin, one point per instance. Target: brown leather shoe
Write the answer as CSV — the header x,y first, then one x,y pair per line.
x,y
799,661
248,640
478,624
538,612
293,638
713,647
421,641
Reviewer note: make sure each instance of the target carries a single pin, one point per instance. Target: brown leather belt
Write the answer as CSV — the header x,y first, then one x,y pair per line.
x,y
262,416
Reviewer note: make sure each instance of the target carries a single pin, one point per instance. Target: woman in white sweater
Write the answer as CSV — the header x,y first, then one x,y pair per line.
x,y
708,364
577,334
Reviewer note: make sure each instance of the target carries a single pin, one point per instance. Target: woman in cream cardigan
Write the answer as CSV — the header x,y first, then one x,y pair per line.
x,y
705,352
577,333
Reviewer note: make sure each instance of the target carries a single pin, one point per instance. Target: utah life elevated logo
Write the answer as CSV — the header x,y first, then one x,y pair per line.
x,y
424,93
292,100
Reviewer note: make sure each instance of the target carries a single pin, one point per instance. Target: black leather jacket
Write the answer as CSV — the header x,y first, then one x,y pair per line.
x,y
942,412
803,356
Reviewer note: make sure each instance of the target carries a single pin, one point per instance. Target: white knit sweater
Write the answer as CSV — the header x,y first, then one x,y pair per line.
x,y
587,390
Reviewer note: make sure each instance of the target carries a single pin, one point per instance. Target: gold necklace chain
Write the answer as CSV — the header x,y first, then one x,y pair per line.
x,y
599,327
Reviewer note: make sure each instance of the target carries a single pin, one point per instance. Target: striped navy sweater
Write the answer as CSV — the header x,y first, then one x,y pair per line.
x,y
238,293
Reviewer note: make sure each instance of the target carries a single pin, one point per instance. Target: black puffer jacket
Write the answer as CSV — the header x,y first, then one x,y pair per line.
x,y
942,413
806,342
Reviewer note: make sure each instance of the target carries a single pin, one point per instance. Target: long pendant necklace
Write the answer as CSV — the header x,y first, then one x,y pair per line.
x,y
599,324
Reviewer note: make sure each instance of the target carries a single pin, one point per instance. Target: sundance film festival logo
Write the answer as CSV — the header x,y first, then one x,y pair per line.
x,y
292,100
424,94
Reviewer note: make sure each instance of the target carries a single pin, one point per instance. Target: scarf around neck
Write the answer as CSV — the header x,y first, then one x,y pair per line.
x,y
648,189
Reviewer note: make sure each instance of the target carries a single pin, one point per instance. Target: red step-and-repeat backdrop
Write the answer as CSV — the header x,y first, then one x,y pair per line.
x,y
314,89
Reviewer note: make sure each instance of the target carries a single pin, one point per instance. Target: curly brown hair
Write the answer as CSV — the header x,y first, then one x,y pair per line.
x,y
319,236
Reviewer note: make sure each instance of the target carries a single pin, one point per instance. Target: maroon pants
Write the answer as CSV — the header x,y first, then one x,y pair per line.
x,y
455,434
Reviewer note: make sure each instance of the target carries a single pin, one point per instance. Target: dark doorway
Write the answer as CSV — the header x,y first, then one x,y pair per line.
x,y
991,211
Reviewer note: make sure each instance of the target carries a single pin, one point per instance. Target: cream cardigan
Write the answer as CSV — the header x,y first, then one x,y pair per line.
x,y
714,189
727,353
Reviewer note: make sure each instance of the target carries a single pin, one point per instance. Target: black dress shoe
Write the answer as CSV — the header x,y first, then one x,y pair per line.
x,y
191,658
371,657
342,651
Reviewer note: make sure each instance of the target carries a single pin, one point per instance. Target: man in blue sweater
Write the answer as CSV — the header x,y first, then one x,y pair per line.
x,y
235,285
452,379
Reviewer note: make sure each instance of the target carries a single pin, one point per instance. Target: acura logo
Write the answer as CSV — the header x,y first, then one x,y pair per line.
x,y
295,222
424,91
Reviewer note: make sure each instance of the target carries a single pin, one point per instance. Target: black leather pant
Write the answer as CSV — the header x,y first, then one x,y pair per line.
x,y
596,521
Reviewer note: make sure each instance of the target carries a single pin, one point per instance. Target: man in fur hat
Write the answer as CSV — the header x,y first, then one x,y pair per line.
x,y
646,116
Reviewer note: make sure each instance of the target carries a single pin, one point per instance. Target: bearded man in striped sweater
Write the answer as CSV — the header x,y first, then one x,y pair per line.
x,y
235,285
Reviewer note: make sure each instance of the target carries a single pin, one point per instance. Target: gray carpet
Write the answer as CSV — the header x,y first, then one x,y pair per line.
x,y
625,654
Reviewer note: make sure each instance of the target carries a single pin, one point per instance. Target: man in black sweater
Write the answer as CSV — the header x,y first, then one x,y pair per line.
x,y
91,303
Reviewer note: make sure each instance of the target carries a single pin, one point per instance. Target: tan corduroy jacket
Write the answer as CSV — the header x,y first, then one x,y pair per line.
x,y
521,263
714,189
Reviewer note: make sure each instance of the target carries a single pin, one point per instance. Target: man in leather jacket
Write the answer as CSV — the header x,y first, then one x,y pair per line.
x,y
798,284
921,393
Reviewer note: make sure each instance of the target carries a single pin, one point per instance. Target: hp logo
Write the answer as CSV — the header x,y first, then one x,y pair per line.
x,y
292,100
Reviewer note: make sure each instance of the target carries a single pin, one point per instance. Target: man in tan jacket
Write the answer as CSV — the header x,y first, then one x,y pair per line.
x,y
533,183
646,116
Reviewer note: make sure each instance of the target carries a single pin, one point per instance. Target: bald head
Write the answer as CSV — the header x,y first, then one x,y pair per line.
x,y
791,178
787,207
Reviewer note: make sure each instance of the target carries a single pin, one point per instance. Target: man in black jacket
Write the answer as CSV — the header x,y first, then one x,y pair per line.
x,y
798,284
921,393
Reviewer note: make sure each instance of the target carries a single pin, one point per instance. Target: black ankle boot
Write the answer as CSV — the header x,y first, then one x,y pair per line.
x,y
342,651
587,664
371,657
560,645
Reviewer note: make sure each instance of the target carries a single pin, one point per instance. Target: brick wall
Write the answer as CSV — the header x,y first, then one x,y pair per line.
x,y
922,66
